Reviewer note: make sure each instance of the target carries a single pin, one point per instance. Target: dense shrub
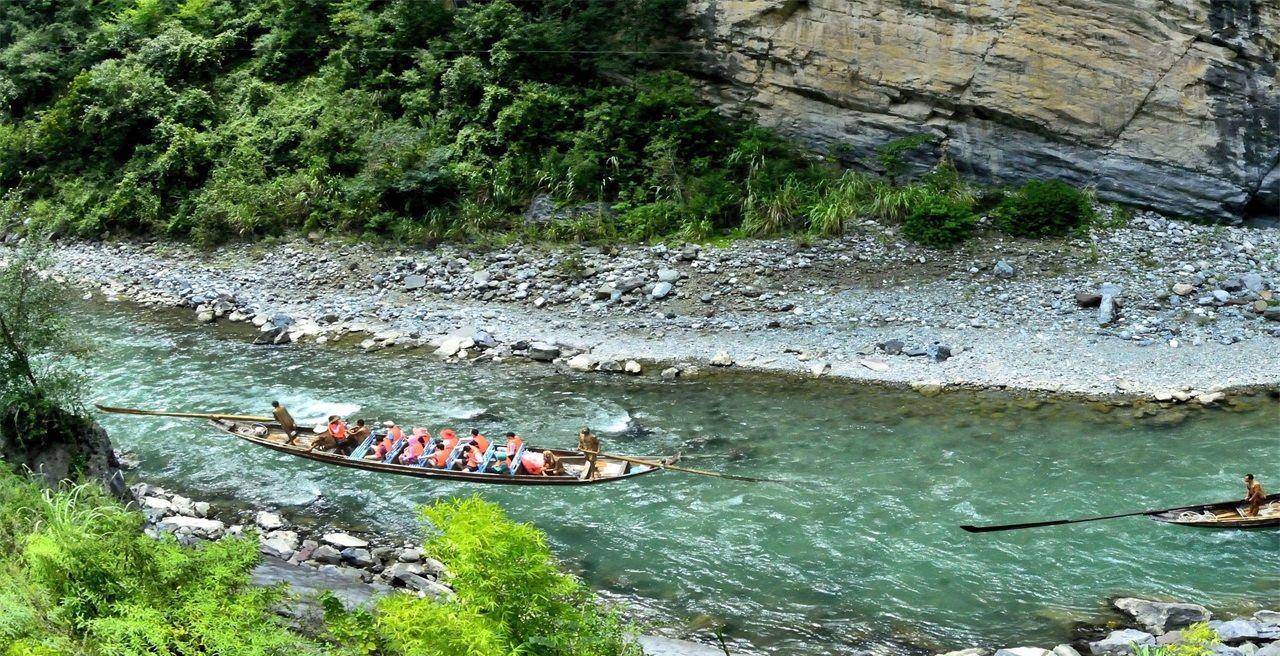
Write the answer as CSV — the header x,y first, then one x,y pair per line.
x,y
1044,208
939,221
77,575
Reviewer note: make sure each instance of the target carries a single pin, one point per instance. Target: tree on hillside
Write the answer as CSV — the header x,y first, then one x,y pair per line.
x,y
39,391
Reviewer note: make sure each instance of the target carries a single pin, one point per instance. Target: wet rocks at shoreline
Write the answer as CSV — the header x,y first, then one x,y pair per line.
x,y
1159,623
393,564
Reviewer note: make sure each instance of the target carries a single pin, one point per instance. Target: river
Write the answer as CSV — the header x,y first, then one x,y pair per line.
x,y
859,548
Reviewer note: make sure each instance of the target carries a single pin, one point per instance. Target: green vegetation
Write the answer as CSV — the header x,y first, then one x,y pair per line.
x,y
39,391
1197,640
512,597
78,577
1044,209
940,222
404,119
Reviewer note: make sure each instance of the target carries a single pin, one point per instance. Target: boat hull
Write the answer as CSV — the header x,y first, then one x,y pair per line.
x,y
1224,516
276,440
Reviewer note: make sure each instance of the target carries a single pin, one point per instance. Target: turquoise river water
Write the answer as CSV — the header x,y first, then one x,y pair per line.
x,y
859,548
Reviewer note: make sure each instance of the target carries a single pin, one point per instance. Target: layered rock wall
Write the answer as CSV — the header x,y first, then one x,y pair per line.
x,y
1167,104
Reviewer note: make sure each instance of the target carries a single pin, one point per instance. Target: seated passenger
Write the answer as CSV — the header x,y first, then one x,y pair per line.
x,y
440,457
501,462
355,437
468,460
552,465
388,442
480,441
513,444
414,452
337,429
449,438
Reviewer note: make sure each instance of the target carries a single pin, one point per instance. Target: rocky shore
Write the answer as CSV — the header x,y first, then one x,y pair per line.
x,y
1154,624
1158,308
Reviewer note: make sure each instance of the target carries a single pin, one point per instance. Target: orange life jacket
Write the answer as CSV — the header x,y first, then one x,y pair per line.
x,y
441,457
338,430
513,446
481,441
395,433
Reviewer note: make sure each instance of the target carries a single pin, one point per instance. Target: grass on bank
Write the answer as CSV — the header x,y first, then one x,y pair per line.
x,y
78,577
408,120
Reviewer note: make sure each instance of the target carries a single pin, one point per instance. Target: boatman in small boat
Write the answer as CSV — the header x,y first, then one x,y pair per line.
x,y
285,420
1253,495
589,445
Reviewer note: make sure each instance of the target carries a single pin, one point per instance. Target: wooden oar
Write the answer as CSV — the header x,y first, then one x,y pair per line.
x,y
687,470
1060,522
188,415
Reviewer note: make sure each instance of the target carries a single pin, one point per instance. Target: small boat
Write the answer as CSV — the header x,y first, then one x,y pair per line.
x,y
1228,515
273,436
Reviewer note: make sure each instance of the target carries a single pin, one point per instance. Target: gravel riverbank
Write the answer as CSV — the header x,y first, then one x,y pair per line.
x,y
1157,308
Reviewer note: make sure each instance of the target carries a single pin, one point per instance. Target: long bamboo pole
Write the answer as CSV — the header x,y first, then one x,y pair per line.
x,y
188,415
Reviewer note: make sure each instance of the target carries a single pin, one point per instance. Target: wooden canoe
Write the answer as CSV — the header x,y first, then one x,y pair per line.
x,y
1229,515
273,437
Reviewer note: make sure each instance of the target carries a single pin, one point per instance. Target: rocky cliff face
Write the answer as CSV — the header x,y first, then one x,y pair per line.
x,y
85,454
1167,104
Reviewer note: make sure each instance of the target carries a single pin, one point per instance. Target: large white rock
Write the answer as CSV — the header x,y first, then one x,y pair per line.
x,y
722,359
582,362
344,541
281,544
1121,642
268,521
1024,651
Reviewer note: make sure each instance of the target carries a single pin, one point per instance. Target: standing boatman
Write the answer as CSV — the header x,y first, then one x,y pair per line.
x,y
1253,495
285,420
589,445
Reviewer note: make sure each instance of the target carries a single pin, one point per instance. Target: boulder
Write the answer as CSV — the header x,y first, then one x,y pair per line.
x,y
663,646
632,367
281,544
268,521
409,556
327,555
1065,650
670,373
543,352
1160,617
722,359
425,585
358,557
210,529
415,282
1183,289
1107,306
344,541
1272,649
661,290
1119,643
1023,651
1236,630
668,275
582,362
1003,269
972,651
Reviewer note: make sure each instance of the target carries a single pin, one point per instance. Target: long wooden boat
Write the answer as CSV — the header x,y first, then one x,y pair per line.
x,y
1229,515
272,436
